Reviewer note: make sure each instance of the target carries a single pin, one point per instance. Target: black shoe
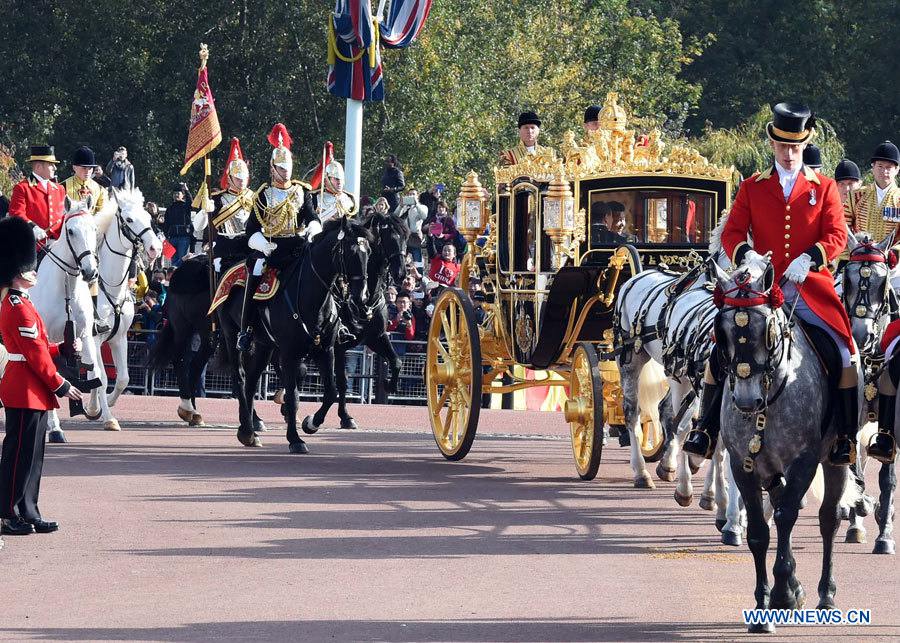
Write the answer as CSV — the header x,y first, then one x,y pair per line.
x,y
15,527
44,526
883,447
244,340
699,443
843,452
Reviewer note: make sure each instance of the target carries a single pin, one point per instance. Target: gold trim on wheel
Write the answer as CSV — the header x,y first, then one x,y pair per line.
x,y
453,373
584,411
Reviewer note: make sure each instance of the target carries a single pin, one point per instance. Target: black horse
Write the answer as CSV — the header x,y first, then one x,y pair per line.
x,y
301,320
388,262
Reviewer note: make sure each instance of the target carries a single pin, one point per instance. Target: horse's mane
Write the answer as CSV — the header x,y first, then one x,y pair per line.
x,y
356,229
125,199
397,224
106,216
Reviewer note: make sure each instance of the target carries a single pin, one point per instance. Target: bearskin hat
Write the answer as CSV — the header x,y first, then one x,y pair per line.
x,y
18,251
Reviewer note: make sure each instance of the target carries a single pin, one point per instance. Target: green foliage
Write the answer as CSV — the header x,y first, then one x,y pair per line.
x,y
108,74
747,148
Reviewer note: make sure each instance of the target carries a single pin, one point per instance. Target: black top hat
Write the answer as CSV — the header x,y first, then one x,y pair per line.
x,y
887,151
84,156
529,118
791,123
592,114
18,251
812,157
847,169
42,153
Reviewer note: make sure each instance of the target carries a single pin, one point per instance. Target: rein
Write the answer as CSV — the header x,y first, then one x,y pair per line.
x,y
125,233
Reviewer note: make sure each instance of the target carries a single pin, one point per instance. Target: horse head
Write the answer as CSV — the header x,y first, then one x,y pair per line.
x,y
866,284
135,221
79,236
390,234
751,333
342,252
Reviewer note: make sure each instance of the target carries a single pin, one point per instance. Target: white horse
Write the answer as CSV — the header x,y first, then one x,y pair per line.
x,y
62,292
122,226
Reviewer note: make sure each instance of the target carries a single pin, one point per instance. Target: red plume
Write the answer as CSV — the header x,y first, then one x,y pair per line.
x,y
280,130
328,157
234,154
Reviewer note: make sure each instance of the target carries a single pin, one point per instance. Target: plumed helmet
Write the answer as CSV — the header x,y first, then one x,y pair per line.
x,y
235,166
334,170
281,142
18,251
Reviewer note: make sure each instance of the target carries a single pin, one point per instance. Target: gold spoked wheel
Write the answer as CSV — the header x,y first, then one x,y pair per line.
x,y
584,411
453,374
652,439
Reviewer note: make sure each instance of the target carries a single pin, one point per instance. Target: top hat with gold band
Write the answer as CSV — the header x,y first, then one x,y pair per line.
x,y
42,153
791,123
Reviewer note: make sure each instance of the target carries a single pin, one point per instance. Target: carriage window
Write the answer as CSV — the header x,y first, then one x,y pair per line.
x,y
650,216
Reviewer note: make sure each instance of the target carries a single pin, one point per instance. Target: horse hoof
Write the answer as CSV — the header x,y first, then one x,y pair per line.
x,y
855,535
298,447
684,501
197,420
92,415
185,415
57,437
884,547
349,423
845,512
112,425
731,539
707,503
249,439
309,427
644,482
761,628
826,604
720,523
666,475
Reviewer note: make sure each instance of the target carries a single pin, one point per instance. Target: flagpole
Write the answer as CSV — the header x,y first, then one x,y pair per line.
x,y
353,146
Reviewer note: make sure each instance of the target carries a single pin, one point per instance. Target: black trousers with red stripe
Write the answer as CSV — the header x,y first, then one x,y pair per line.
x,y
22,463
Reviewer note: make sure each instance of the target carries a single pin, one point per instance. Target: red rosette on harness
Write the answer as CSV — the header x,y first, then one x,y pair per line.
x,y
774,298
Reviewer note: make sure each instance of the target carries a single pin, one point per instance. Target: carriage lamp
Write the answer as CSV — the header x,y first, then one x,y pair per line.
x,y
471,208
562,224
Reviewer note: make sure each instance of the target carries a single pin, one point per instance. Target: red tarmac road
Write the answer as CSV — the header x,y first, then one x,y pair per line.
x,y
170,533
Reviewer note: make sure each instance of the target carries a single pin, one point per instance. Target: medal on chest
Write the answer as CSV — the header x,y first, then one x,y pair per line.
x,y
812,196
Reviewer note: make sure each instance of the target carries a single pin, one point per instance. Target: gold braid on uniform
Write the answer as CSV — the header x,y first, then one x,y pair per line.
x,y
275,221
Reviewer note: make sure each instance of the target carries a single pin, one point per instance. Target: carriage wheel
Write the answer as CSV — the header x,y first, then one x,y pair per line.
x,y
584,411
453,374
652,440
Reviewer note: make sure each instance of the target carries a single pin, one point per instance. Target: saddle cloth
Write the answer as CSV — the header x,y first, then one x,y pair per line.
x,y
237,276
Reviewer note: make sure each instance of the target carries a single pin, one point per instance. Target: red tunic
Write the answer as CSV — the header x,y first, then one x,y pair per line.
x,y
812,221
42,206
28,384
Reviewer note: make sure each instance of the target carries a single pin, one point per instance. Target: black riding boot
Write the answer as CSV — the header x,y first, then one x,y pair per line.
x,y
702,439
883,446
248,312
843,450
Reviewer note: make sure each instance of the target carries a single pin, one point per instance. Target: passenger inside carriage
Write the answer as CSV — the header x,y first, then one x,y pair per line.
x,y
649,217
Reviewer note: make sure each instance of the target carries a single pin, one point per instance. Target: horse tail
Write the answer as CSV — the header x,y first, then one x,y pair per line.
x,y
652,388
162,352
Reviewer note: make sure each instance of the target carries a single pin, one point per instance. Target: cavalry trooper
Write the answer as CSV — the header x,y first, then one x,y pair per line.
x,y
79,187
39,198
529,131
866,207
848,179
281,211
795,214
333,201
231,208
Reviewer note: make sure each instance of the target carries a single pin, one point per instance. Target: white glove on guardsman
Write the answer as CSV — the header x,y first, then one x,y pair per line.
x,y
753,259
798,269
39,233
259,243
312,230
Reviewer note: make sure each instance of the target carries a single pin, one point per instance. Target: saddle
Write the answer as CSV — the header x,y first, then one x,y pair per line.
x,y
237,276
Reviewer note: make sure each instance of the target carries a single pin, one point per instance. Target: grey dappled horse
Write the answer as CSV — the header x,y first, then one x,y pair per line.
x,y
774,373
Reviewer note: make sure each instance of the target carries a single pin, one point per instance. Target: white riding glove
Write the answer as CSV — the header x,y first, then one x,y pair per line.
x,y
39,233
753,259
798,269
312,230
259,243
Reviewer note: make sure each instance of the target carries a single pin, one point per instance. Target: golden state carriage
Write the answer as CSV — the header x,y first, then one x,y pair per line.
x,y
550,273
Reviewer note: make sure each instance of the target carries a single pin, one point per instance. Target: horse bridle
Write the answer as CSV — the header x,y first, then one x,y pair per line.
x,y
340,291
135,240
69,269
867,254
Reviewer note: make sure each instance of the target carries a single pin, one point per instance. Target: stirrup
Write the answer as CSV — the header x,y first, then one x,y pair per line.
x,y
700,442
837,457
887,455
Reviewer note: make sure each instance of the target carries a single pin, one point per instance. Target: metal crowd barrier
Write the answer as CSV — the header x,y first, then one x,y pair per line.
x,y
366,374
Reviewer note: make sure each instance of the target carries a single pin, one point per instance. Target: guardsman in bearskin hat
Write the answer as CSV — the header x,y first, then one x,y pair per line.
x,y
865,207
282,210
39,198
30,384
795,214
529,131
231,207
848,179
328,188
